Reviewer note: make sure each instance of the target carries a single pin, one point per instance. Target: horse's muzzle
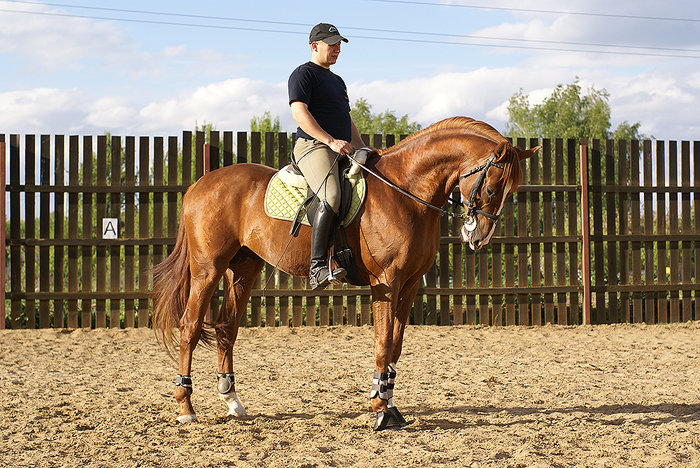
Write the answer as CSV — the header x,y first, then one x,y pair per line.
x,y
467,236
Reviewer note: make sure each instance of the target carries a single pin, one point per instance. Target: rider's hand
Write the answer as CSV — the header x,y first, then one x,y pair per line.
x,y
341,147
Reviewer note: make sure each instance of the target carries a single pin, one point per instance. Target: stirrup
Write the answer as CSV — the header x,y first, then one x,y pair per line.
x,y
324,276
336,276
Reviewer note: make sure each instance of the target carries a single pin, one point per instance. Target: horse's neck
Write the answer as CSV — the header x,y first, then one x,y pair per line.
x,y
429,171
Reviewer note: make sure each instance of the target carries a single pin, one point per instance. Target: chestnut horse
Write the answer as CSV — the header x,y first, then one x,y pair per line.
x,y
224,231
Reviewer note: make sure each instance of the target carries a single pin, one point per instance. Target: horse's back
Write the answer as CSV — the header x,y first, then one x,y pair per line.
x,y
228,185
221,205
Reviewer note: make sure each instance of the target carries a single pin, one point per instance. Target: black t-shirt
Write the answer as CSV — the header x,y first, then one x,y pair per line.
x,y
327,97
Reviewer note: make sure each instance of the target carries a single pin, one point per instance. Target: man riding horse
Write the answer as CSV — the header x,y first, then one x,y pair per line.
x,y
320,106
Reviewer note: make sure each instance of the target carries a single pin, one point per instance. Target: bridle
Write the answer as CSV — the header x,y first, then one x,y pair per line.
x,y
471,211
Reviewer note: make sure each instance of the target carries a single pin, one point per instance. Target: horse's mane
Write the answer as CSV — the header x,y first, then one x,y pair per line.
x,y
504,150
475,126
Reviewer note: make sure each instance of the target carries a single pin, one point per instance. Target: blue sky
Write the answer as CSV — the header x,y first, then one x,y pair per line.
x,y
85,70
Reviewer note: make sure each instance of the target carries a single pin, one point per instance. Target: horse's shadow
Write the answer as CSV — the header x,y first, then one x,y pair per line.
x,y
460,417
463,417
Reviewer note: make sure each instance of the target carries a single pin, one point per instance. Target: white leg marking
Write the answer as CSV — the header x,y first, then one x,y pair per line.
x,y
235,408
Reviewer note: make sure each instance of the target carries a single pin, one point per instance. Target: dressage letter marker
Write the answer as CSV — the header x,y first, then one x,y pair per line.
x,y
110,228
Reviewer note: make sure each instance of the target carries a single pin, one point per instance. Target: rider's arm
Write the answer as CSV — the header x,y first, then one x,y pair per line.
x,y
357,140
306,121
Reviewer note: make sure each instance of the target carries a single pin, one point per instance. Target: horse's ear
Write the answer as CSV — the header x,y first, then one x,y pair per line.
x,y
501,150
529,153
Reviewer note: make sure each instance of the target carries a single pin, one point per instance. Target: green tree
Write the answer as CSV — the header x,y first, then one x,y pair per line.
x,y
387,122
265,123
566,113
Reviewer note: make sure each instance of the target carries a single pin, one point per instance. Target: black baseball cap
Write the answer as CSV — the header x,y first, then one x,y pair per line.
x,y
327,33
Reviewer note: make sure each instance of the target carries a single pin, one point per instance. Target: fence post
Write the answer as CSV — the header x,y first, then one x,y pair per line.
x,y
585,230
2,232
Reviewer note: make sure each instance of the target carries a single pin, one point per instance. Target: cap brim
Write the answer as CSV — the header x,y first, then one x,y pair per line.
x,y
334,39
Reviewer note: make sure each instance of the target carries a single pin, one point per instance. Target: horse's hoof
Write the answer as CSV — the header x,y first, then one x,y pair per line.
x,y
187,418
389,419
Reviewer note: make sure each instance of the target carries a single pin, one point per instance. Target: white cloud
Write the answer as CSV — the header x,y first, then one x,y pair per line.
x,y
56,41
42,110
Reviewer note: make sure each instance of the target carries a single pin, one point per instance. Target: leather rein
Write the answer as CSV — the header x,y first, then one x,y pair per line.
x,y
471,210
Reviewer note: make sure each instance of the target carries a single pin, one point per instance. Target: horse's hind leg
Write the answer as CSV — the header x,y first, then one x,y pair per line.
x,y
203,281
239,280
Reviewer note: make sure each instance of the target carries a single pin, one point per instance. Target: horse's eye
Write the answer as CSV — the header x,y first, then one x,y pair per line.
x,y
490,191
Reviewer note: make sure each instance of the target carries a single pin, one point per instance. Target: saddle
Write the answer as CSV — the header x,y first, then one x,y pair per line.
x,y
288,197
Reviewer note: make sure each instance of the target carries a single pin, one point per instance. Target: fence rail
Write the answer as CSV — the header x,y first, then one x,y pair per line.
x,y
644,236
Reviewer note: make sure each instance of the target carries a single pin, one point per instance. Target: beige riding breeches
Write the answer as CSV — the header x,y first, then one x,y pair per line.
x,y
319,165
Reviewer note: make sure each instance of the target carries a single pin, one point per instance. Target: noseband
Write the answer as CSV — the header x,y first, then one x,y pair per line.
x,y
484,168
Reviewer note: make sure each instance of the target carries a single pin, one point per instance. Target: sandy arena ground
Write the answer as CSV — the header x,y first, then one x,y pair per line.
x,y
617,395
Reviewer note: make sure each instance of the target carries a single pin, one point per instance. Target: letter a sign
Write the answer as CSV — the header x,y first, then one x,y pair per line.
x,y
110,228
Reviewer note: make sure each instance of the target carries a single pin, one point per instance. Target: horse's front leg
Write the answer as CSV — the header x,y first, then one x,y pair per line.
x,y
384,311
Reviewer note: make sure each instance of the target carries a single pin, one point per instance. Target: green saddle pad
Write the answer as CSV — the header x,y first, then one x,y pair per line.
x,y
282,200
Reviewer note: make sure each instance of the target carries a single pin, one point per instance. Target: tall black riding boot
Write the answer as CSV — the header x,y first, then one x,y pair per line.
x,y
320,237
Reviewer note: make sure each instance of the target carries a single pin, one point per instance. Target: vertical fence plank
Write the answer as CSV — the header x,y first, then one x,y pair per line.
x,y
484,312
460,263
610,230
696,204
674,259
255,303
3,239
497,316
297,318
228,149
508,219
44,229
686,229
444,273
522,235
129,227
559,217
662,278
623,161
58,229
144,212
573,156
172,198
635,207
101,250
30,227
115,208
535,247
15,233
596,181
158,180
87,233
649,302
547,230
73,180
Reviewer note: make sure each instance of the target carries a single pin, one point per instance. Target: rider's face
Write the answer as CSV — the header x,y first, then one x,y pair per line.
x,y
325,54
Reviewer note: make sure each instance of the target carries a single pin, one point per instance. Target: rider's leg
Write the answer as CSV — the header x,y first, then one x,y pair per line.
x,y
319,165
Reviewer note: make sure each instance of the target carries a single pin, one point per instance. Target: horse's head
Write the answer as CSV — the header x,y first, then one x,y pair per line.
x,y
485,190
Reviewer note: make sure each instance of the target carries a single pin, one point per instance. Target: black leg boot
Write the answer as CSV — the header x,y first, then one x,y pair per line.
x,y
324,220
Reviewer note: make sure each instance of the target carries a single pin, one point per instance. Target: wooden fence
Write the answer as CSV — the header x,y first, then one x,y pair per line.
x,y
643,239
